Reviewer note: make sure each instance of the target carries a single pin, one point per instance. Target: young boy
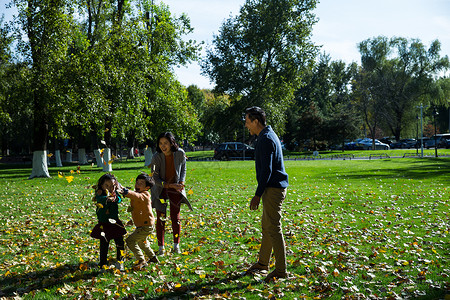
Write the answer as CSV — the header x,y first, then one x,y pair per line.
x,y
143,219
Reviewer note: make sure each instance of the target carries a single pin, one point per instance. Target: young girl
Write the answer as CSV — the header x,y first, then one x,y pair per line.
x,y
109,226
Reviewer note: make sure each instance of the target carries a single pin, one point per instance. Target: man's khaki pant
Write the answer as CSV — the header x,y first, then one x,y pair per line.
x,y
272,232
138,240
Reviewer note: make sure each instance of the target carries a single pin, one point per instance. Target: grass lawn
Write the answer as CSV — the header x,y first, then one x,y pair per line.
x,y
354,229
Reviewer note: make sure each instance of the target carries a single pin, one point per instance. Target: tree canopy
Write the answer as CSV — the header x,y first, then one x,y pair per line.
x,y
260,55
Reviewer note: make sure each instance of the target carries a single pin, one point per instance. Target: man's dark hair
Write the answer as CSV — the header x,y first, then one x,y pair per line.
x,y
256,113
169,136
149,181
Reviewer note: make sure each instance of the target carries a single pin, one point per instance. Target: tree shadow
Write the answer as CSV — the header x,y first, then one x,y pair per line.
x,y
215,286
420,169
18,284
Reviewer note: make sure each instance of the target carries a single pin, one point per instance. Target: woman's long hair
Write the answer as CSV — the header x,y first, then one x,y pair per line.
x,y
169,136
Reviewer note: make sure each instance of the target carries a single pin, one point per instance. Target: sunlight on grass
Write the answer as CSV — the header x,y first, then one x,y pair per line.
x,y
353,228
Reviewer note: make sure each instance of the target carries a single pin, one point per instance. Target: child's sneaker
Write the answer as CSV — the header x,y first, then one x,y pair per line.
x,y
119,266
161,251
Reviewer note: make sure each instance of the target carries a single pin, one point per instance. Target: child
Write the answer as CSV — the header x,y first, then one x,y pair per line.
x,y
109,226
141,212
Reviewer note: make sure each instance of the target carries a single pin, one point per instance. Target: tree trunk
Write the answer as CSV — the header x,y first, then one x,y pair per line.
x,y
40,168
82,160
58,158
98,158
40,136
69,155
107,167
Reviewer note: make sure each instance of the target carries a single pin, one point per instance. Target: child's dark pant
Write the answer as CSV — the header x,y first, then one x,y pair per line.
x,y
104,246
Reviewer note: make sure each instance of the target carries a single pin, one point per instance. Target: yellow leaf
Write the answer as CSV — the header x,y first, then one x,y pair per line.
x,y
202,275
190,192
162,201
110,161
60,175
101,150
99,205
81,260
178,285
72,171
50,154
69,179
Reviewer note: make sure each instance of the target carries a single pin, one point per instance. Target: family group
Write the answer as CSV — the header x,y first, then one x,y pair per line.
x,y
165,188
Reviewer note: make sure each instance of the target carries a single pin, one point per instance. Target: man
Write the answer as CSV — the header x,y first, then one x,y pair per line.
x,y
272,183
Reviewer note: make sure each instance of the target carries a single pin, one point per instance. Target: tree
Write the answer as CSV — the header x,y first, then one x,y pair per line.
x,y
259,56
400,73
47,25
325,93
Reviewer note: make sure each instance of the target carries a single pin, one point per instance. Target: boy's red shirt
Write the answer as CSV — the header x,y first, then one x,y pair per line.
x,y
142,208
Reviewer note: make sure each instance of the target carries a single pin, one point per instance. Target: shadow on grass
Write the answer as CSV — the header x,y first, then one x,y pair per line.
x,y
216,286
18,284
418,169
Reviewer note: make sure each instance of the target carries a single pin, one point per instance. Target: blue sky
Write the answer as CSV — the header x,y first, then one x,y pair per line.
x,y
342,25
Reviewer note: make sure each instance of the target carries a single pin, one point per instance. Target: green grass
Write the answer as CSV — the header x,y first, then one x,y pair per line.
x,y
208,154
353,228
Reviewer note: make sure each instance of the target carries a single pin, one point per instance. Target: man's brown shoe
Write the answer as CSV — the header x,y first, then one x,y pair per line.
x,y
275,274
257,267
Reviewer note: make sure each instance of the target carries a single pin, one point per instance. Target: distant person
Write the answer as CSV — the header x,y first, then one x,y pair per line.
x,y
272,183
169,172
109,226
143,219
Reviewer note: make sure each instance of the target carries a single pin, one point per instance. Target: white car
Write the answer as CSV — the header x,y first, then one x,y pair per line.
x,y
366,144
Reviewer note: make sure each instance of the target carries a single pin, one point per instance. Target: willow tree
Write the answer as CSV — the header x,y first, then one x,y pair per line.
x,y
259,56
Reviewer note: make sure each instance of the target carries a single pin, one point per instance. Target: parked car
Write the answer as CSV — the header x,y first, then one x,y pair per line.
x,y
404,144
353,145
439,139
233,150
366,144
388,140
425,139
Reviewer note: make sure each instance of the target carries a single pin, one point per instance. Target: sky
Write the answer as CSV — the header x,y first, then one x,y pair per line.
x,y
342,25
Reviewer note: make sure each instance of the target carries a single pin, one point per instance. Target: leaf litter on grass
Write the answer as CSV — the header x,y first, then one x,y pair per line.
x,y
378,238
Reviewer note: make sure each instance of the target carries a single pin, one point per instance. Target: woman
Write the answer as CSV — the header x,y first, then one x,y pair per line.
x,y
169,173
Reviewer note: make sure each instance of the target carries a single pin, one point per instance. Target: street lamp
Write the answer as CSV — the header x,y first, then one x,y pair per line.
x,y
417,135
421,128
243,136
435,113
